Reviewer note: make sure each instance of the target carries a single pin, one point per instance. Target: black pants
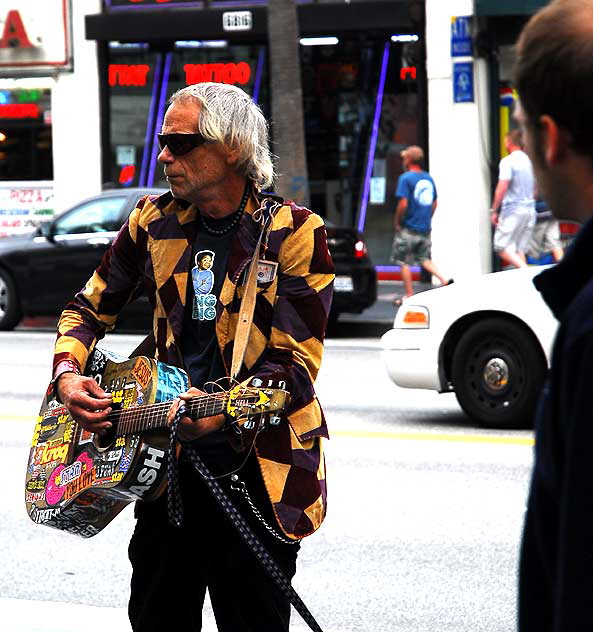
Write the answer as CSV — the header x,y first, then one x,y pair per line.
x,y
173,567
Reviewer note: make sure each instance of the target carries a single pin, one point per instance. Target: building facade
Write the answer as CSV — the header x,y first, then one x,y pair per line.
x,y
470,57
377,75
49,110
363,88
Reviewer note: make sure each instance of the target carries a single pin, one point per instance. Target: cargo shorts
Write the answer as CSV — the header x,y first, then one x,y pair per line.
x,y
514,229
410,247
545,238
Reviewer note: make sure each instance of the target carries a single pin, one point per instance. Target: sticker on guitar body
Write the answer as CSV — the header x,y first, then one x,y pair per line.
x,y
142,371
147,475
39,516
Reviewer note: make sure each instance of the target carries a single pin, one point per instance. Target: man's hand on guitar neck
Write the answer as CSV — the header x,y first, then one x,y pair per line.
x,y
86,401
191,429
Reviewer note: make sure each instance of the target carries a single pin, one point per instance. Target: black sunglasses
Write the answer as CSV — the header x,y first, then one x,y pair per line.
x,y
180,144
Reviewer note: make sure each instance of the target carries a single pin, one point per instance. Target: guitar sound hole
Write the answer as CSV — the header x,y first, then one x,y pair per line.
x,y
107,439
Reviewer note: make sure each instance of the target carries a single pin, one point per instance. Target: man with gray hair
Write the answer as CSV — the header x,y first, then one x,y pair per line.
x,y
191,250
554,80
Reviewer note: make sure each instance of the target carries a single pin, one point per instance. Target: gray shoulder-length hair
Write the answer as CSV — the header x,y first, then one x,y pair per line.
x,y
230,116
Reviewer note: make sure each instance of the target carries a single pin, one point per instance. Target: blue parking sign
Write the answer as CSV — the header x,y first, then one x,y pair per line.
x,y
463,82
461,39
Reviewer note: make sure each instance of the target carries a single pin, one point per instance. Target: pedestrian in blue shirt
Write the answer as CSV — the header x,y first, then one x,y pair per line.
x,y
413,219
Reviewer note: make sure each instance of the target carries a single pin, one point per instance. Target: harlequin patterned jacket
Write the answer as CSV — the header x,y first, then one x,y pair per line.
x,y
153,248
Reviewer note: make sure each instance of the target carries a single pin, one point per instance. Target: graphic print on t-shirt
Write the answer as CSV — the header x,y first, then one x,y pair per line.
x,y
424,192
204,304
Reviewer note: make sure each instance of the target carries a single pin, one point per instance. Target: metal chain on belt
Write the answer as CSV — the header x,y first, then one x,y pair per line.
x,y
239,486
245,531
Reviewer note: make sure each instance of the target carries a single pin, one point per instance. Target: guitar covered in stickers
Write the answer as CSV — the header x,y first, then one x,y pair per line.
x,y
78,481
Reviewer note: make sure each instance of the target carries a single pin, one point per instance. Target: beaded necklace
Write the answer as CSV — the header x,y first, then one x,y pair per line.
x,y
234,218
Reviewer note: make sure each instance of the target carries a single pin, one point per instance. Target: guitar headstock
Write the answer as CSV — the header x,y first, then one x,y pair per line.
x,y
250,401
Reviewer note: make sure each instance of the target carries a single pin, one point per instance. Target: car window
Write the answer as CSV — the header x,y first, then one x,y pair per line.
x,y
97,216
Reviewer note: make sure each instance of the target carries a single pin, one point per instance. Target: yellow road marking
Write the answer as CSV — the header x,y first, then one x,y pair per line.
x,y
417,436
370,434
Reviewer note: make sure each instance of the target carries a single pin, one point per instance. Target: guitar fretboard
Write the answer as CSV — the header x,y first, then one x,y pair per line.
x,y
154,416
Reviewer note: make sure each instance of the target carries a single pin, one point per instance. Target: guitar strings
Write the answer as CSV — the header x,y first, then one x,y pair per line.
x,y
213,397
132,419
164,406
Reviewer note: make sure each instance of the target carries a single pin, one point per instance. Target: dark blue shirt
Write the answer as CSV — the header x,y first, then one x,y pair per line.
x,y
419,189
556,570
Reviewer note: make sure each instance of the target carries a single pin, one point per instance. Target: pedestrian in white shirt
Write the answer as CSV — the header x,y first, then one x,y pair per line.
x,y
515,197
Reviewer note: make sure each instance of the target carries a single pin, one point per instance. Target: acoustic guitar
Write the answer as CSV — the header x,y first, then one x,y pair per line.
x,y
78,481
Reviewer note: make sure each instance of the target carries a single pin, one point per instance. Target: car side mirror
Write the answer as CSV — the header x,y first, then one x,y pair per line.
x,y
48,230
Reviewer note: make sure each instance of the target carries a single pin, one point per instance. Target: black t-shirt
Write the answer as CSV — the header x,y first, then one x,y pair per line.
x,y
199,346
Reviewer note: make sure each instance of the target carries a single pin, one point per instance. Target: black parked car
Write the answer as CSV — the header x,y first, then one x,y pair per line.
x,y
41,272
355,286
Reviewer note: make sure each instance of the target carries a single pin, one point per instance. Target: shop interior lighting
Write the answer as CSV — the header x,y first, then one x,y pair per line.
x,y
159,117
404,38
201,44
2,137
373,140
129,45
319,41
259,71
149,137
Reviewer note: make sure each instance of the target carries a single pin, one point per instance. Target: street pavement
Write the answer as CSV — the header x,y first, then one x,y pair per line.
x,y
21,615
383,311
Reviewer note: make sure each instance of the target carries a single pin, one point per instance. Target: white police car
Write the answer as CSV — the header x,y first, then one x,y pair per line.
x,y
488,339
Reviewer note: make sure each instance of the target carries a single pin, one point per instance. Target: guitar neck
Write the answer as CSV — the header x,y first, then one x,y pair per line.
x,y
154,416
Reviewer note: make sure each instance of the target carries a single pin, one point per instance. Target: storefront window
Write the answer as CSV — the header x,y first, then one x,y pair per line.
x,y
361,108
338,82
195,62
142,80
399,113
133,76
25,134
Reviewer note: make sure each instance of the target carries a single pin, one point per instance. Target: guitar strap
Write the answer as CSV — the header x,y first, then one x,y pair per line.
x,y
246,311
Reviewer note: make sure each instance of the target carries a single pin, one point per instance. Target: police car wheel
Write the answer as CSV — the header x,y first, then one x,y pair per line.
x,y
498,371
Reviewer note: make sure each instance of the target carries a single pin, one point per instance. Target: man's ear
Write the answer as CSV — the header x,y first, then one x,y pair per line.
x,y
232,156
554,141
